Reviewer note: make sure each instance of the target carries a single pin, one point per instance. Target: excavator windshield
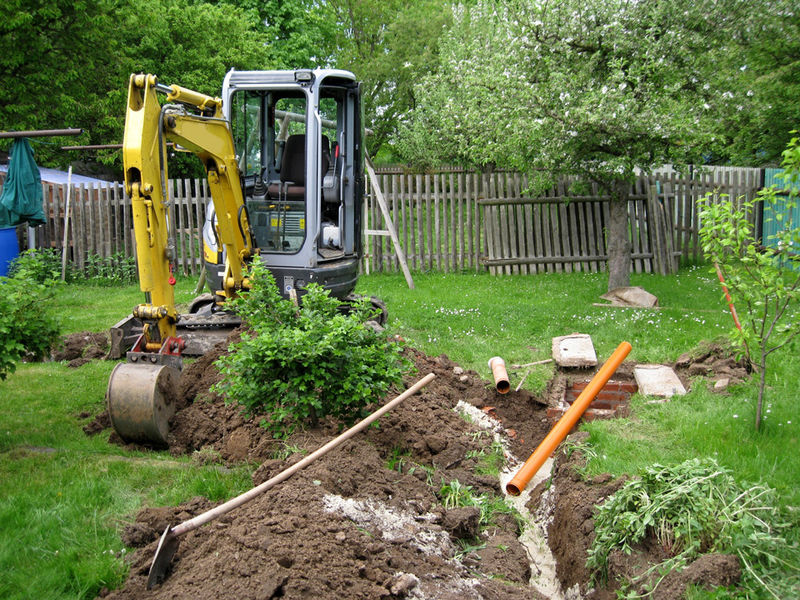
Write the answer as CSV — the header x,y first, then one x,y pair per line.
x,y
297,140
269,131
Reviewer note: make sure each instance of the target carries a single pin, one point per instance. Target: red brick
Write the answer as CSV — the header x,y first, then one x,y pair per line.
x,y
607,404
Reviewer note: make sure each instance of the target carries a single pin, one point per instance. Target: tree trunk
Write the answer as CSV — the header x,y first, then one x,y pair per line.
x,y
762,381
619,244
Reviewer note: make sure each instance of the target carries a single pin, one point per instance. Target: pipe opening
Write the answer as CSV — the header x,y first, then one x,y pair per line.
x,y
500,374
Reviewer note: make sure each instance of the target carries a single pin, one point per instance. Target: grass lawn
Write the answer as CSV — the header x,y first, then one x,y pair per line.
x,y
65,495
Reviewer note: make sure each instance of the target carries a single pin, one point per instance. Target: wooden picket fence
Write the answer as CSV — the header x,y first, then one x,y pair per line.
x,y
461,220
100,223
454,220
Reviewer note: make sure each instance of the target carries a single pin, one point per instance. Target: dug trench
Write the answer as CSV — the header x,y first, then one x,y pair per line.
x,y
381,516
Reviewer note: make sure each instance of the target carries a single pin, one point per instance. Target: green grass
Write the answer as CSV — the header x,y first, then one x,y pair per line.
x,y
83,307
474,317
65,496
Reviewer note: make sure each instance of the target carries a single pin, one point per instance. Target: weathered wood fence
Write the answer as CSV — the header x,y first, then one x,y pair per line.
x,y
448,221
460,220
100,222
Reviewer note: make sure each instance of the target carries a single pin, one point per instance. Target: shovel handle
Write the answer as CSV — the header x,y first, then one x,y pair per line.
x,y
228,506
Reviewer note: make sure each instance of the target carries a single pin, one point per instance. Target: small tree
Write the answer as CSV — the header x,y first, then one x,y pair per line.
x,y
764,282
299,364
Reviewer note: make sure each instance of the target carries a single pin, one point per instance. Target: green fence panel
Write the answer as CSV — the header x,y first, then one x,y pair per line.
x,y
770,225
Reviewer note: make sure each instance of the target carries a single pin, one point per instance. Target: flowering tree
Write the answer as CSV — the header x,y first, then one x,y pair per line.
x,y
593,88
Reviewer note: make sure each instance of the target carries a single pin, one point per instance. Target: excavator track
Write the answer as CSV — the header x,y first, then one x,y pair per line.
x,y
200,331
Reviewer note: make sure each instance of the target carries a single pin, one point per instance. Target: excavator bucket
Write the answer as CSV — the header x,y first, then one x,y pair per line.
x,y
141,399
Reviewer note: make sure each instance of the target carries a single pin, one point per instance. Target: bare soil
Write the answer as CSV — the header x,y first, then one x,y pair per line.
x,y
367,520
80,348
348,526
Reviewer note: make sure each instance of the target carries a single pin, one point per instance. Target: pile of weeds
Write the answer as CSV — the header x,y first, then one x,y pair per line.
x,y
693,508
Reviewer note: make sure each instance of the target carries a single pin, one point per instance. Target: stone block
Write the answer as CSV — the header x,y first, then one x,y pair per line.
x,y
658,380
574,350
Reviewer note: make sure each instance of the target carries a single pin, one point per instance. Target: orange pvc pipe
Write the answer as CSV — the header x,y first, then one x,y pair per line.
x,y
567,422
500,374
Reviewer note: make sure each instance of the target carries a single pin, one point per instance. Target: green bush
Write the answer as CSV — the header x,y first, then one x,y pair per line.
x,y
300,364
44,264
41,265
26,327
116,269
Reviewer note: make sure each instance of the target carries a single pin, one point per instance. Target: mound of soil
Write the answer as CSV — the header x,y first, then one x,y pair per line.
x,y
203,422
365,521
712,360
80,348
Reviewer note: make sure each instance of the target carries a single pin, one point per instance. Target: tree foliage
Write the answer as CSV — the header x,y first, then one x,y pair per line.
x,y
764,282
67,64
764,74
390,45
595,89
58,62
297,34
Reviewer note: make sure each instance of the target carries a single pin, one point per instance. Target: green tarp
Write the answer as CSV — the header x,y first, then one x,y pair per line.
x,y
21,200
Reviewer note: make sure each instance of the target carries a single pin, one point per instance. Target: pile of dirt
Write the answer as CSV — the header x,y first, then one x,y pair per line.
x,y
714,361
365,521
368,520
568,502
80,348
203,422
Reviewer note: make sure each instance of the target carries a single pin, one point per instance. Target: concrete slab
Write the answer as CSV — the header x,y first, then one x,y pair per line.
x,y
658,380
574,350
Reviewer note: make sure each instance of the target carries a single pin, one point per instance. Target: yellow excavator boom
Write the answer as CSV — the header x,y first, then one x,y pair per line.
x,y
142,392
196,125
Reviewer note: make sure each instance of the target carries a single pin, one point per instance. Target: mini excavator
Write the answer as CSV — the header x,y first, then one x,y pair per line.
x,y
284,158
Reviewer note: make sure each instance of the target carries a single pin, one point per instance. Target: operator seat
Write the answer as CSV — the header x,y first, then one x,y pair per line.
x,y
292,184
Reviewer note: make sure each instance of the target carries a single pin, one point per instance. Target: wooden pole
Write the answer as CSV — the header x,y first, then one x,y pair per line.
x,y
39,133
168,544
66,227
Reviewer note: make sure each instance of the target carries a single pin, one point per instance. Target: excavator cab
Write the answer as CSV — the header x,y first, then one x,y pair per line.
x,y
298,141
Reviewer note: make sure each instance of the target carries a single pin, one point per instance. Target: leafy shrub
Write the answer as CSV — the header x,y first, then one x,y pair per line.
x,y
26,327
41,265
116,269
301,364
44,264
692,508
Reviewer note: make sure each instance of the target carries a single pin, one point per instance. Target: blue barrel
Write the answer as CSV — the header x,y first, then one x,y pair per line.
x,y
9,249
